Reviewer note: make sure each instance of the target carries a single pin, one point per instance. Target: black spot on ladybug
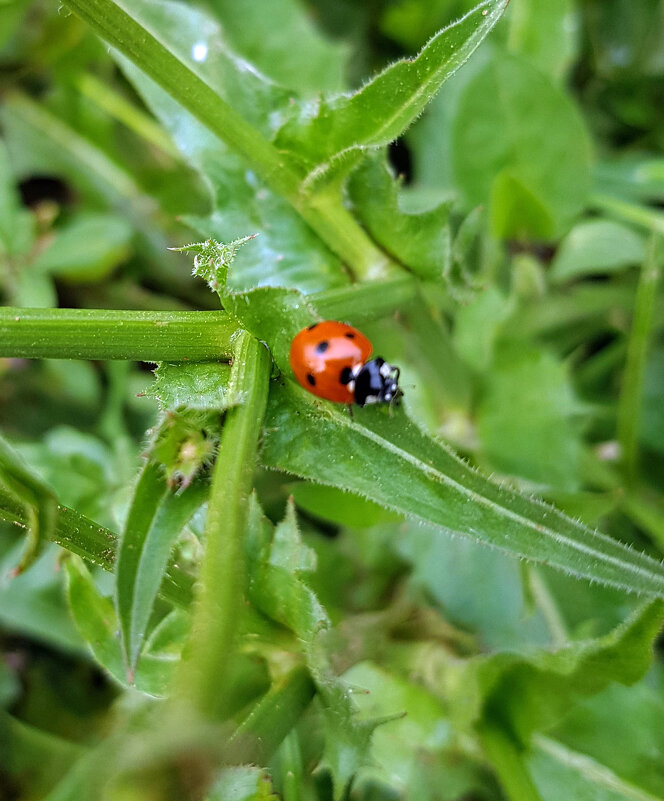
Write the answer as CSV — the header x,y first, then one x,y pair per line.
x,y
346,375
311,380
349,335
311,327
322,346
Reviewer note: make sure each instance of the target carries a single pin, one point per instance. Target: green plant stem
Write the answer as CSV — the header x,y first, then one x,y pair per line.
x,y
291,766
629,405
325,213
644,216
203,676
274,716
96,544
127,113
102,334
507,761
360,303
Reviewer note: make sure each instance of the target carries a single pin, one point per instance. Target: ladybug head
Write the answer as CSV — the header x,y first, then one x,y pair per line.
x,y
377,382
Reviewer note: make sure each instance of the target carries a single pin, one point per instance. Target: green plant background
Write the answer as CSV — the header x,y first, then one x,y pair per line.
x,y
214,585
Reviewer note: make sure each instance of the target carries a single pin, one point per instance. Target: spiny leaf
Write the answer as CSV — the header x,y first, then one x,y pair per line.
x,y
280,594
213,259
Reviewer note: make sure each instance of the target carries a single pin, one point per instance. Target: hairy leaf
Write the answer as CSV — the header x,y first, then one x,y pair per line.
x,y
330,129
386,459
202,386
142,563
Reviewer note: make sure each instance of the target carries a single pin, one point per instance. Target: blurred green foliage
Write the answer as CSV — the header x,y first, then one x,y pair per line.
x,y
497,235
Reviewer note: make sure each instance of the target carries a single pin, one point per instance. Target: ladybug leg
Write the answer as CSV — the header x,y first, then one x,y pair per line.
x,y
349,406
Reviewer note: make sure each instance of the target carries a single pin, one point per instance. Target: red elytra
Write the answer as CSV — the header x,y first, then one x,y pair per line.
x,y
322,355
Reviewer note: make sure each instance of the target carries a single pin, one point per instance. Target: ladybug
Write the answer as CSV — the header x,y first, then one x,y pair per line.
x,y
331,360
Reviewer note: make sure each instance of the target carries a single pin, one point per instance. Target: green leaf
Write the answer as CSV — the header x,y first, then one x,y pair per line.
x,y
24,746
526,418
498,126
277,590
88,249
546,34
288,550
82,536
42,142
415,753
516,212
33,290
143,559
593,728
597,247
419,239
11,15
341,127
98,624
479,589
263,34
148,495
531,692
239,110
561,772
94,617
287,252
478,325
32,605
201,386
386,459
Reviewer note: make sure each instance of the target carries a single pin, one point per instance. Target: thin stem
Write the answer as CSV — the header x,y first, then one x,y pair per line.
x,y
203,676
507,760
102,334
96,544
644,216
631,395
127,113
325,214
274,716
364,302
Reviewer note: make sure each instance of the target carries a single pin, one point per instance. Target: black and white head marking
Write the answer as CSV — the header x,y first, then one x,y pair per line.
x,y
376,382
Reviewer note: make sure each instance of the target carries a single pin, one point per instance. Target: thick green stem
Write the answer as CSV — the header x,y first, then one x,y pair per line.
x,y
326,214
102,334
203,676
631,395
